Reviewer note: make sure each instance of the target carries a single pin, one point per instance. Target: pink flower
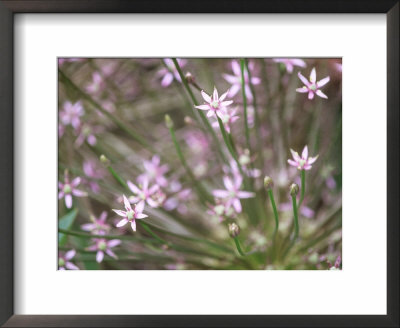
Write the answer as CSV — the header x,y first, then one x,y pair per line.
x,y
102,246
97,84
236,80
67,189
144,193
86,132
214,104
93,172
130,215
304,210
64,261
304,162
98,225
290,63
170,72
155,171
232,194
228,117
71,114
178,201
221,210
312,87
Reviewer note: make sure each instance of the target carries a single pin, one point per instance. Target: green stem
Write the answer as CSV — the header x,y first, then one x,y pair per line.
x,y
296,218
239,247
202,115
303,187
149,231
246,125
116,121
271,197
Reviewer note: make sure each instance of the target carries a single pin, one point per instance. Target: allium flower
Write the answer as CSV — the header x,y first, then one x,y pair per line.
x,y
232,194
197,141
93,172
304,210
96,85
102,246
71,114
312,86
215,103
178,201
130,215
154,171
304,162
64,260
170,72
67,189
290,63
98,225
236,80
228,117
143,193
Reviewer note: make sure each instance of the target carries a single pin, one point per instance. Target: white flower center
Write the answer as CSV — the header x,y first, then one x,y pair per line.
x,y
130,215
67,188
215,104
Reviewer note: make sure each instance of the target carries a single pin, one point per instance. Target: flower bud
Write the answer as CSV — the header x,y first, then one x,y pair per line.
x,y
268,182
104,160
168,122
294,189
188,120
189,77
234,230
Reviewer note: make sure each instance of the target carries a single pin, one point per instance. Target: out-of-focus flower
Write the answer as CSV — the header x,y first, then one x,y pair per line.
x,y
214,104
154,171
67,189
170,72
338,67
290,63
86,132
98,225
93,172
197,141
337,264
304,162
221,210
130,215
304,210
71,114
236,80
61,130
102,246
143,193
178,201
232,194
97,84
312,87
228,117
64,260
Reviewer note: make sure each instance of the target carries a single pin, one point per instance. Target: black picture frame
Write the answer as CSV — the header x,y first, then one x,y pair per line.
x,y
8,199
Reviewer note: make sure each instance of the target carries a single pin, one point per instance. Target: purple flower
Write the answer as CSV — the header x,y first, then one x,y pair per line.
x,y
86,132
290,63
64,260
228,117
130,215
155,171
98,225
304,162
232,194
236,80
312,87
71,114
143,193
170,72
178,201
102,246
67,189
214,104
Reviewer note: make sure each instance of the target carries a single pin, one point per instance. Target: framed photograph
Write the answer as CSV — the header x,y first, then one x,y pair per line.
x,y
218,164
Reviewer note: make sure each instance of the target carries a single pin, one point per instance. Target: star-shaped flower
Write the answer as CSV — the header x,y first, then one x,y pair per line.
x,y
304,162
131,214
312,87
214,104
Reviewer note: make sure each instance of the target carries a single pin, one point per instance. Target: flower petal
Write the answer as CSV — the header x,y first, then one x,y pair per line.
x,y
236,205
293,163
220,193
206,97
302,90
99,256
203,107
141,216
295,155
113,242
70,254
322,82
76,182
133,187
228,183
139,207
310,95
127,204
68,200
245,194
133,225
71,266
313,75
122,223
79,193
321,94
304,154
167,79
303,79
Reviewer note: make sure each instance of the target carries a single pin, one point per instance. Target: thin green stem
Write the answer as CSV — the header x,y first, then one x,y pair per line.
x,y
238,246
246,125
303,187
150,232
296,218
271,198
